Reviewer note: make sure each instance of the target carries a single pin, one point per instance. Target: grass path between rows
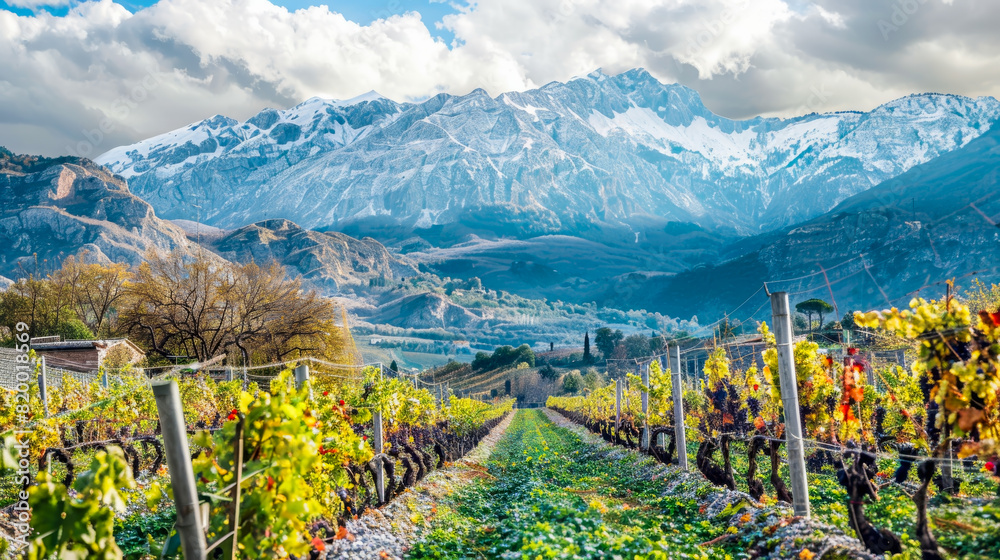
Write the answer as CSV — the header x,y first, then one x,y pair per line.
x,y
552,490
551,495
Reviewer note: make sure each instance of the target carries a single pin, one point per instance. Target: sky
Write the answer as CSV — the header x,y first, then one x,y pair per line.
x,y
85,77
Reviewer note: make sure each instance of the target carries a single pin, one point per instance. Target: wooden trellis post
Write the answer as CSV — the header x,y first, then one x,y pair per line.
x,y
661,437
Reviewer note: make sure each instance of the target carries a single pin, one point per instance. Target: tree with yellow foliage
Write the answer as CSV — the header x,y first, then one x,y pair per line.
x,y
94,291
205,308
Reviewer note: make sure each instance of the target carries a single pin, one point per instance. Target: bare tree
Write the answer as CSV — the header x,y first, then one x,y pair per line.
x,y
206,308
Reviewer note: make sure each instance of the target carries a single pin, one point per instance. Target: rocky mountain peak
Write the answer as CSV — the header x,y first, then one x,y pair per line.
x,y
596,152
333,262
60,206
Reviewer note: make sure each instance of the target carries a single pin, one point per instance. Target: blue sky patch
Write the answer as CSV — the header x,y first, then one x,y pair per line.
x,y
358,11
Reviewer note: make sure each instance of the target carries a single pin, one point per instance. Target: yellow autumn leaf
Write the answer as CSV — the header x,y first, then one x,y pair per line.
x,y
968,449
245,400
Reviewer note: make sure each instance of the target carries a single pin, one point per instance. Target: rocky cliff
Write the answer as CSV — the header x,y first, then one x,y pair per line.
x,y
333,262
54,208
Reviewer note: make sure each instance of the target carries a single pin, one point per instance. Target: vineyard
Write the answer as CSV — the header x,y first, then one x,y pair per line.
x,y
885,462
806,457
281,463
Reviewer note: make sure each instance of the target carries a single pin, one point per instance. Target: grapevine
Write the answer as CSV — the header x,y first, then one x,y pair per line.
x,y
960,379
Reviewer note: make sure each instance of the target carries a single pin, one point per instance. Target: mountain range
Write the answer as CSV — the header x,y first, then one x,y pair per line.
x,y
71,206
533,215
61,206
596,153
901,239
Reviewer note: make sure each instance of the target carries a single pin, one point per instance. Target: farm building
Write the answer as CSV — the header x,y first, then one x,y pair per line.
x,y
87,355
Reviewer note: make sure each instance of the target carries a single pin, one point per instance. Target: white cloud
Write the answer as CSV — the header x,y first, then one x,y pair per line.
x,y
35,4
833,18
62,77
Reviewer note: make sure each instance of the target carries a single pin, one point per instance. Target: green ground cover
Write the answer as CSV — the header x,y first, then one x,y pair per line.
x,y
551,495
548,494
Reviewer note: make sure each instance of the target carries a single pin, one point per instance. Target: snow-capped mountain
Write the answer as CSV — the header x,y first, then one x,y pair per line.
x,y
878,249
597,149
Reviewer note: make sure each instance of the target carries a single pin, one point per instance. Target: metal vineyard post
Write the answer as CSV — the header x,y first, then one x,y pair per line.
x,y
378,444
790,402
43,387
185,492
302,378
677,390
644,443
618,407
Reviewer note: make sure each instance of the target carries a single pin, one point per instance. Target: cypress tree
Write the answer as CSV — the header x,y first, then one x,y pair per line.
x,y
587,358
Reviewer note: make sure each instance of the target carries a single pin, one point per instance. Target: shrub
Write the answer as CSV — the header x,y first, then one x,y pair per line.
x,y
74,329
572,382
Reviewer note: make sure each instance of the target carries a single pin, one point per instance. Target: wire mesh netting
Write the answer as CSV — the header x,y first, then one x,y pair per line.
x,y
8,368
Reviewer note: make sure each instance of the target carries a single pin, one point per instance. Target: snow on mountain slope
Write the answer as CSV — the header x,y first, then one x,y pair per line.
x,y
597,149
